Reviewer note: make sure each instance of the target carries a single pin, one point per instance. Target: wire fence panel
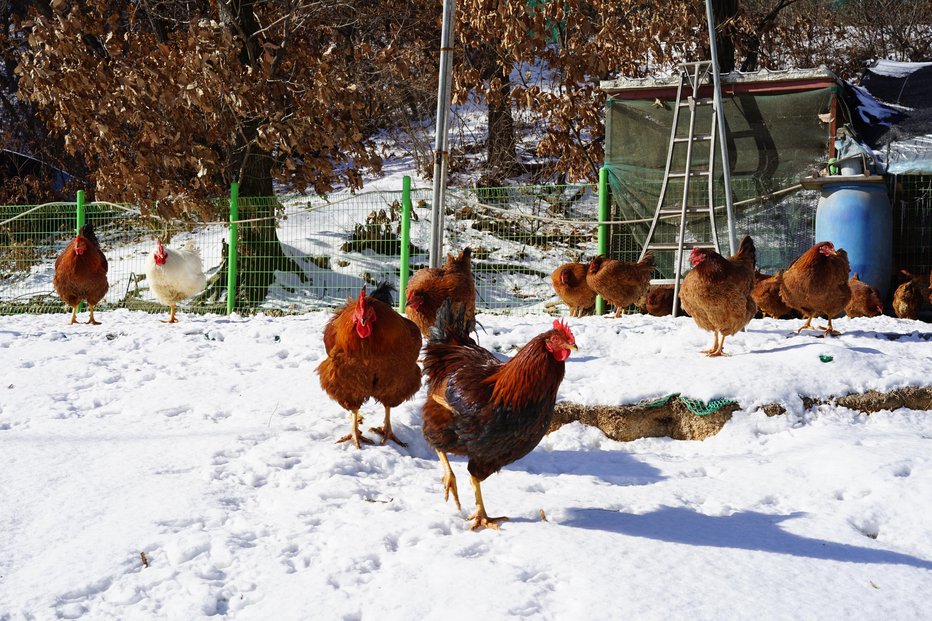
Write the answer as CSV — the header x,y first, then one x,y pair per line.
x,y
304,253
30,243
31,236
519,236
912,222
298,253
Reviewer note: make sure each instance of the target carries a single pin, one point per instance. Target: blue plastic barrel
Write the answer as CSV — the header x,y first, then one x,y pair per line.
x,y
854,213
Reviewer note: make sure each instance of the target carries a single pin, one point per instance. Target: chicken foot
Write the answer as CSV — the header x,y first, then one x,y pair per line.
x,y
74,316
805,326
480,516
715,346
386,430
720,346
171,316
354,435
829,330
449,481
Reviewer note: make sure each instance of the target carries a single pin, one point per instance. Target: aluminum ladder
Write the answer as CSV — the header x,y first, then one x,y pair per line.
x,y
692,75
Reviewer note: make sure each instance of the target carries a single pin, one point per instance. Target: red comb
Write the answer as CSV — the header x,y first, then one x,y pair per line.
x,y
560,326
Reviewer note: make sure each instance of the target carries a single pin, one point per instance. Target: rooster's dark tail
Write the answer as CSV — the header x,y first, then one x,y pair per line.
x,y
383,293
451,325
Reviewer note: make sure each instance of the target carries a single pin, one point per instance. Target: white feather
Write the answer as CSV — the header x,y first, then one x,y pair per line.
x,y
181,277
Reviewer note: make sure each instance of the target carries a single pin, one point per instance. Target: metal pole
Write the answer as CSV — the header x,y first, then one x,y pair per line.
x,y
232,250
405,241
603,228
723,144
441,153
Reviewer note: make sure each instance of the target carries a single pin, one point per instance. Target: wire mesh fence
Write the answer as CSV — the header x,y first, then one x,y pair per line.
x,y
911,198
31,242
297,253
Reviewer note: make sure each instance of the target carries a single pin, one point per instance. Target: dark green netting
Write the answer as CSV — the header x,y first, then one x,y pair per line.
x,y
774,140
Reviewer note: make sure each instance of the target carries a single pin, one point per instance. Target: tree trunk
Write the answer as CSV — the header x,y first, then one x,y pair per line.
x,y
500,148
260,251
724,11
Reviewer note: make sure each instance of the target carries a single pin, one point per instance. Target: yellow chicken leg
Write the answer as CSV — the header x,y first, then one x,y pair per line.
x,y
829,330
711,351
74,315
480,516
805,326
449,481
171,316
720,346
386,429
91,321
354,435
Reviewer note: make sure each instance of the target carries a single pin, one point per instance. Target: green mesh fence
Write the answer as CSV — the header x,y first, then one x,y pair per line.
x,y
298,253
778,214
31,239
28,247
519,236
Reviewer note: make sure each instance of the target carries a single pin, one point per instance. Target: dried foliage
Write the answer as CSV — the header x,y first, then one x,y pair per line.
x,y
174,98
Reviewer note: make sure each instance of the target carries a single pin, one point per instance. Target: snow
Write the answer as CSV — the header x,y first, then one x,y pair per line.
x,y
209,446
896,69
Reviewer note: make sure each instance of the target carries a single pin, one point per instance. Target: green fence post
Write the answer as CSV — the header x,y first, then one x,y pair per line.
x,y
232,257
405,241
603,228
80,216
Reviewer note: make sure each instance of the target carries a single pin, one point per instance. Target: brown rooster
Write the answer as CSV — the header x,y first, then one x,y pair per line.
x,y
429,287
569,282
766,295
865,299
490,411
907,299
816,283
620,284
371,352
81,273
717,291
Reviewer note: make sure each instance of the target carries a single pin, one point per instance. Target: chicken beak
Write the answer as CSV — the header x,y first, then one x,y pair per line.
x,y
573,347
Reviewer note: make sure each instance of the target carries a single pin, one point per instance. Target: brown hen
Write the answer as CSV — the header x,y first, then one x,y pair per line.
x,y
816,284
717,291
865,299
429,287
908,297
371,352
766,295
619,283
569,282
81,273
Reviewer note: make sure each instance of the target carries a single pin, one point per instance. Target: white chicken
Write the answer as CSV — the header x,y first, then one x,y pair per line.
x,y
175,275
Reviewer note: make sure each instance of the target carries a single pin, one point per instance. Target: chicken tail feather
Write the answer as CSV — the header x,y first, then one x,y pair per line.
x,y
383,293
451,325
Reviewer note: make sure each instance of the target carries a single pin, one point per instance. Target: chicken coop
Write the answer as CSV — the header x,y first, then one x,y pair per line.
x,y
779,125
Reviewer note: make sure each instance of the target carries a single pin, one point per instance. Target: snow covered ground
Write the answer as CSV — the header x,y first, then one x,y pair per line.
x,y
209,447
